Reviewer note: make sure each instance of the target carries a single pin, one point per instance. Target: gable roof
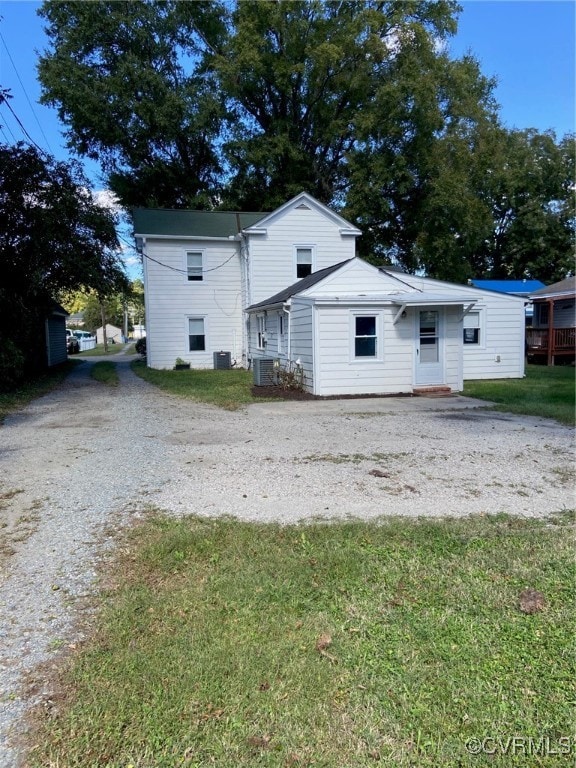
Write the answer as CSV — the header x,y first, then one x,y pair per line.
x,y
566,287
298,286
306,201
171,222
515,287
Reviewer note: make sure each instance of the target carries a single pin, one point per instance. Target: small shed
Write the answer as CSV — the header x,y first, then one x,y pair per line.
x,y
114,335
553,333
55,334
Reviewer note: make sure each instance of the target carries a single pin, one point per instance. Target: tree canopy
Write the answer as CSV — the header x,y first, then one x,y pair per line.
x,y
244,104
52,237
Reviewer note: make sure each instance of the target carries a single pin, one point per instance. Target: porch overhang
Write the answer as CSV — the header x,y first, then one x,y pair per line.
x,y
432,300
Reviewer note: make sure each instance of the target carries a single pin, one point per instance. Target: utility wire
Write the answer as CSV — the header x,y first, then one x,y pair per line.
x,y
185,271
10,131
4,100
25,93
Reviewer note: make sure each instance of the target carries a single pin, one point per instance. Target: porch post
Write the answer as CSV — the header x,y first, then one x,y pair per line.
x,y
551,344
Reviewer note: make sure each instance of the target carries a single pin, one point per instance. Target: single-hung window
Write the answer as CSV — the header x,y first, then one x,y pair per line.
x,y
365,336
261,327
472,328
196,334
194,265
303,262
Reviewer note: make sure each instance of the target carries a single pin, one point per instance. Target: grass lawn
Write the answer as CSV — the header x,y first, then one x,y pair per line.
x,y
546,391
105,372
113,349
337,646
30,390
227,389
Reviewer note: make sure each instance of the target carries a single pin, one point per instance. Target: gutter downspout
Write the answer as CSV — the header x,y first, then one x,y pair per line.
x,y
286,308
245,277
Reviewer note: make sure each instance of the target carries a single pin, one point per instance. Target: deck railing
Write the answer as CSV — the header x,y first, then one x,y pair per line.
x,y
563,339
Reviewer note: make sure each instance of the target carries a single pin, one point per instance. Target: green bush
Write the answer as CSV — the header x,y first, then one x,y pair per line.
x,y
141,346
11,365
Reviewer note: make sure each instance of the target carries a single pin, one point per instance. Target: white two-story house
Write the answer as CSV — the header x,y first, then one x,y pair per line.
x,y
287,287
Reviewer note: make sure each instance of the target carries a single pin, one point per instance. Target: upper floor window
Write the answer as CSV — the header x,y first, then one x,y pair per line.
x,y
303,262
194,265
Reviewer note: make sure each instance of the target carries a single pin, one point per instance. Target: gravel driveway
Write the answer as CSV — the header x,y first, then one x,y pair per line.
x,y
87,458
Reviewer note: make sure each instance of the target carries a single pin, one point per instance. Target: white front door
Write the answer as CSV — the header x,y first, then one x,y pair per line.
x,y
429,347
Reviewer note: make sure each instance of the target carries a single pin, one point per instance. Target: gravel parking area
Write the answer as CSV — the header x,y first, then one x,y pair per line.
x,y
86,459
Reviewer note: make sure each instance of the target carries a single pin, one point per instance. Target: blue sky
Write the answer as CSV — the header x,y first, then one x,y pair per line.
x,y
529,46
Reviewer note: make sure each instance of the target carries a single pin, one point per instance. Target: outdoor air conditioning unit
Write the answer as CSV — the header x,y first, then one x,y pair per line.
x,y
264,375
222,361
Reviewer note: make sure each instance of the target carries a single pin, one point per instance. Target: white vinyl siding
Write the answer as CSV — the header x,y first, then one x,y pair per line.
x,y
171,298
273,257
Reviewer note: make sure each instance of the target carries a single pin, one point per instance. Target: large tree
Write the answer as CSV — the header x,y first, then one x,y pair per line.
x,y
250,102
244,104
52,237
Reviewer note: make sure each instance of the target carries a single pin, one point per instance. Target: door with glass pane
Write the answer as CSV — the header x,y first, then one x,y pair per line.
x,y
429,347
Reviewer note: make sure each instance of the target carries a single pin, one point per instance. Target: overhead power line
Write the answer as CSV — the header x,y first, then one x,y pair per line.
x,y
25,93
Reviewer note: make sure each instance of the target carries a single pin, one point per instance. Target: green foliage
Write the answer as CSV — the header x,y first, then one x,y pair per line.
x,y
53,237
245,104
11,365
350,644
140,346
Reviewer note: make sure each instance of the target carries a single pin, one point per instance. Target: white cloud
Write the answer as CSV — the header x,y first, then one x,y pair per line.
x,y
105,198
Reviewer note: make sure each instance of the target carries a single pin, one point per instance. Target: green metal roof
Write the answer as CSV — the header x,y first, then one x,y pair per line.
x,y
186,223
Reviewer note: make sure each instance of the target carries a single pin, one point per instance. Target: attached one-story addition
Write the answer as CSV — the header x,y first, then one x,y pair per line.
x,y
286,290
357,329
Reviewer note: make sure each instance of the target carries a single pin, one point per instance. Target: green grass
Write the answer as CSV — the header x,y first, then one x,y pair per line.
x,y
105,372
13,401
98,351
226,389
546,391
335,646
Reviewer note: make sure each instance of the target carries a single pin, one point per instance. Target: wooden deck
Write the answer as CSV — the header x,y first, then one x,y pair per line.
x,y
562,342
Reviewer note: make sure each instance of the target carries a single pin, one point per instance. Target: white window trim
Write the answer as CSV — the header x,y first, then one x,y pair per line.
x,y
202,253
481,312
196,352
363,360
308,246
261,331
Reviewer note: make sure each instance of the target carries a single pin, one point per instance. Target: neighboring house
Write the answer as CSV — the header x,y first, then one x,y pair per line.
x,y
55,335
113,334
521,288
217,282
553,332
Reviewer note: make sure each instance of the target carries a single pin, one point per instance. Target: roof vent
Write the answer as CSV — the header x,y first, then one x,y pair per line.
x,y
302,207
